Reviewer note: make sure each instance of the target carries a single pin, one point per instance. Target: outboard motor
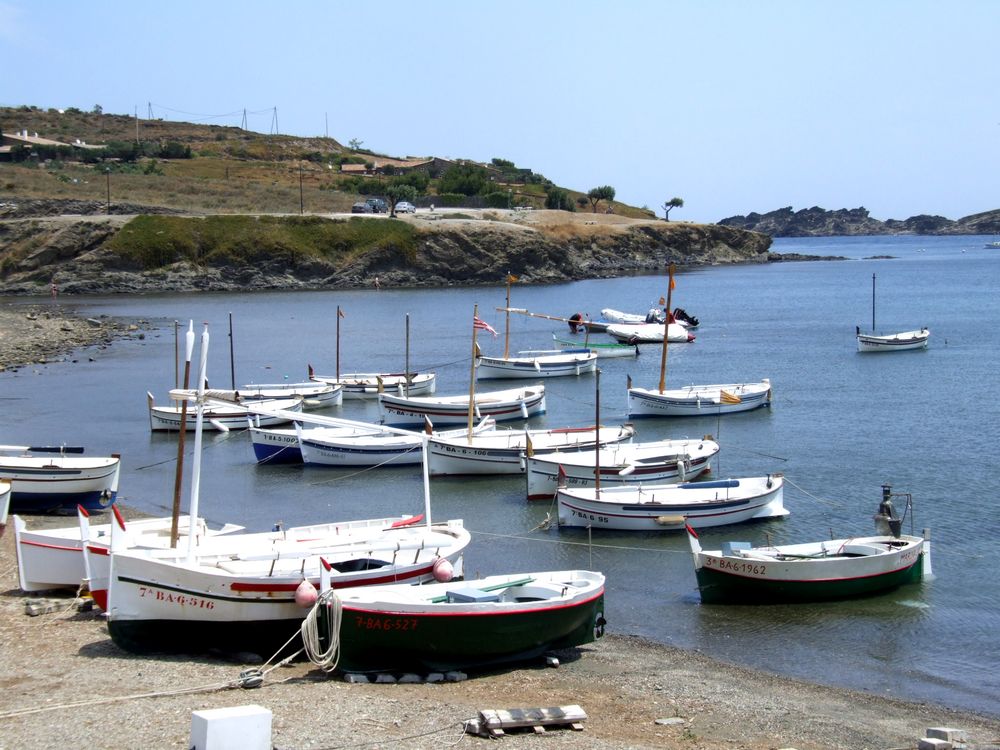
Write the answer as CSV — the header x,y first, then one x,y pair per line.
x,y
886,522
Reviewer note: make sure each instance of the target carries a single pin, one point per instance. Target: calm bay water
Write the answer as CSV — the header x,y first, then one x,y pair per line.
x,y
842,424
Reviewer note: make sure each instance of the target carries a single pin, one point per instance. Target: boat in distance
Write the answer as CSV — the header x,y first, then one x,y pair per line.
x,y
893,342
699,400
668,507
505,405
360,385
461,625
503,451
649,333
220,413
658,461
315,395
603,349
542,364
814,571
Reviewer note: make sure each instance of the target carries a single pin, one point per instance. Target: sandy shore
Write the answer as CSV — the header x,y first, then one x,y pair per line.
x,y
66,684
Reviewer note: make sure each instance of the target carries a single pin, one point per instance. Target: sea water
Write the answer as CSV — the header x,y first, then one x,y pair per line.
x,y
842,424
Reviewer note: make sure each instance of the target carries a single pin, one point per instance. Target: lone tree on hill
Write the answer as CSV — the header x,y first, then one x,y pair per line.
x,y
602,193
671,204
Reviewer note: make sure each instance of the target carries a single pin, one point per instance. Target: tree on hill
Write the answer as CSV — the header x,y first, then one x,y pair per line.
x,y
398,191
669,205
602,193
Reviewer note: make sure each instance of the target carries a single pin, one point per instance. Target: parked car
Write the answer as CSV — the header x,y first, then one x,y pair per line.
x,y
378,205
405,207
361,207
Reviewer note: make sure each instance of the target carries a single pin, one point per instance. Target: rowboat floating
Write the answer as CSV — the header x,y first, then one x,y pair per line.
x,y
504,405
668,507
658,461
698,400
314,395
222,414
603,350
649,333
537,364
815,571
58,478
891,342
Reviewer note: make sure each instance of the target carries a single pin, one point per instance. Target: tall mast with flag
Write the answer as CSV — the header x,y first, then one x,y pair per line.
x,y
666,329
511,278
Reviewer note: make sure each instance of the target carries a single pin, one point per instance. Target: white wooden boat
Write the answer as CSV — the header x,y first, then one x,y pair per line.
x,y
44,479
891,342
221,415
461,625
603,350
813,571
238,592
513,403
545,364
649,333
359,385
4,504
668,507
659,461
314,395
383,448
655,315
280,445
52,558
504,451
698,400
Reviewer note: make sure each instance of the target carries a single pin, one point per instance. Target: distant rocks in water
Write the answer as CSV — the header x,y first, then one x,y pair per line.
x,y
819,222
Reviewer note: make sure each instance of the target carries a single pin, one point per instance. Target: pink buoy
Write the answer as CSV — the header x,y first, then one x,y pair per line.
x,y
305,594
443,570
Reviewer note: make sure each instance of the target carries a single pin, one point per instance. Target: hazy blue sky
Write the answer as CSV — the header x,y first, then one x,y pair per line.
x,y
732,106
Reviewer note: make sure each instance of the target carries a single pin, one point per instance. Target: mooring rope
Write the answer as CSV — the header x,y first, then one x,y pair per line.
x,y
326,659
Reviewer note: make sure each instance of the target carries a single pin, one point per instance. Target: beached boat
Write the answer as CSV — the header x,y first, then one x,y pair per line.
x,y
314,395
52,558
660,461
461,625
603,350
4,504
504,451
891,342
698,400
814,571
649,333
58,478
667,507
513,403
222,414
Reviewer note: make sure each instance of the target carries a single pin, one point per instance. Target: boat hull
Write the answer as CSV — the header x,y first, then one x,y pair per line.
x,y
649,333
757,580
528,367
314,395
390,450
501,406
368,385
223,418
670,507
45,484
396,637
603,351
699,400
897,342
245,601
667,461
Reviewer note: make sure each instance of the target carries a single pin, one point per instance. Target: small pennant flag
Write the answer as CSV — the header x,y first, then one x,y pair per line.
x,y
529,449
482,325
690,530
628,382
511,278
340,313
428,427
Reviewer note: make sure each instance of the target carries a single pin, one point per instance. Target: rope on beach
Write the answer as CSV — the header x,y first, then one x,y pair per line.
x,y
325,659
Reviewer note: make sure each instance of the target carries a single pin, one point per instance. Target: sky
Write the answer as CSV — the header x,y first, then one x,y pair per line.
x,y
732,106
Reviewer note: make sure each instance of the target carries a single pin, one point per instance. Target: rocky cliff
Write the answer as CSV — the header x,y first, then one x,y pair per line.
x,y
467,247
819,222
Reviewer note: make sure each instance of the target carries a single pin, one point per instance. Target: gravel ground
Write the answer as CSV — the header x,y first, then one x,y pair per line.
x,y
63,683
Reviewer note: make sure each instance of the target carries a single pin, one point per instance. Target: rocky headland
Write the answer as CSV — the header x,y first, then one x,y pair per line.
x,y
88,252
819,222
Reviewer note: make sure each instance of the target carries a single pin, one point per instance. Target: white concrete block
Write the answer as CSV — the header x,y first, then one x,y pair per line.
x,y
947,733
929,743
235,728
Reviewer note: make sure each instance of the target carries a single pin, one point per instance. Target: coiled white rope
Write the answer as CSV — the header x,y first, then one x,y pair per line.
x,y
325,659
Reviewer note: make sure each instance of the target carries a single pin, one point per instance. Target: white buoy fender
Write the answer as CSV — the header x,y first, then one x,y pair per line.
x,y
305,595
443,570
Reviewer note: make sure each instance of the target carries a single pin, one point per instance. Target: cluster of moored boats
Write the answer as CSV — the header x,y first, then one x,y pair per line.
x,y
347,587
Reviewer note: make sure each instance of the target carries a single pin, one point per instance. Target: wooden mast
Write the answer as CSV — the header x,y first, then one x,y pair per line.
x,y
666,330
506,333
873,303
179,469
339,316
597,432
472,371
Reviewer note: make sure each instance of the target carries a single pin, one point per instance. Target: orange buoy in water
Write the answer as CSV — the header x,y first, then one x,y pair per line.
x,y
305,594
443,570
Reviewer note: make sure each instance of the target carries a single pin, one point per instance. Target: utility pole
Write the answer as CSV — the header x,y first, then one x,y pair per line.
x,y
326,125
243,125
137,125
107,171
302,205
